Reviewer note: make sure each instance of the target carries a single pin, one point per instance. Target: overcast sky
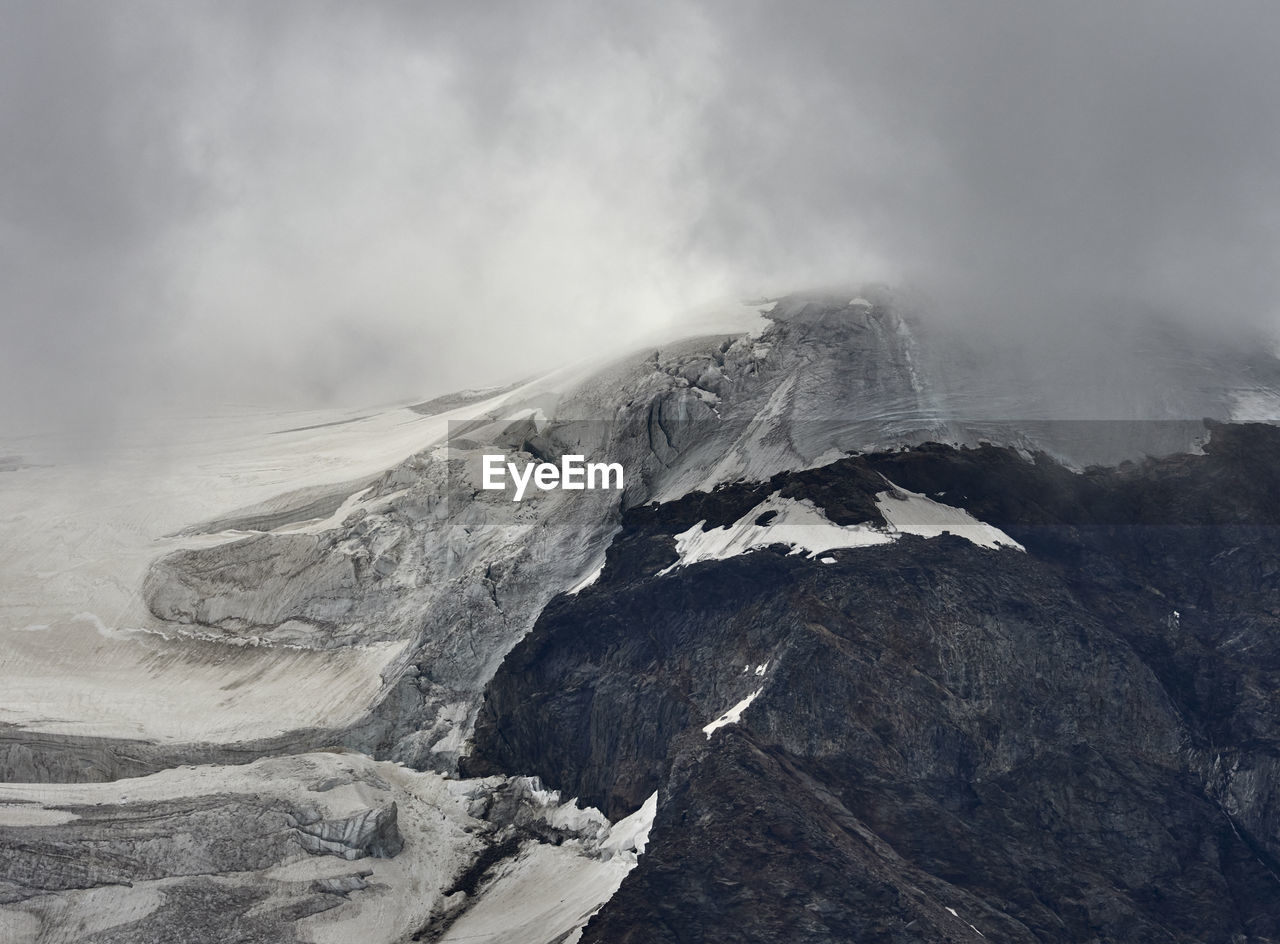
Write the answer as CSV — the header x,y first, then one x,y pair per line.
x,y
345,203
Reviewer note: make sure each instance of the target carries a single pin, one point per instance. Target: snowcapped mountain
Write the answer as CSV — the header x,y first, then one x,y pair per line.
x,y
891,634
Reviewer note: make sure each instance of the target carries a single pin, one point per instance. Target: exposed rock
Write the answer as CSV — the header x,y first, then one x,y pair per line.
x,y
1068,744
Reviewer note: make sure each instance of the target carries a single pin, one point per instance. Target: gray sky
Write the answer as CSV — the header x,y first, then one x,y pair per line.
x,y
324,203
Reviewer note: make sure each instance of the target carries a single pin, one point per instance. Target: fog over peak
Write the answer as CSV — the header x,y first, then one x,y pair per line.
x,y
325,203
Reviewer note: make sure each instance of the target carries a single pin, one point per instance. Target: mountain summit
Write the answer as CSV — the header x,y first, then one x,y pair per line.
x,y
897,631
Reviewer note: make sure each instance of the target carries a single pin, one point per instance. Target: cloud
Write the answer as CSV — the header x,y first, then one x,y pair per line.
x,y
294,203
1022,154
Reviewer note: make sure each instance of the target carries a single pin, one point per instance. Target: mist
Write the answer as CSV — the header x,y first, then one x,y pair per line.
x,y
306,204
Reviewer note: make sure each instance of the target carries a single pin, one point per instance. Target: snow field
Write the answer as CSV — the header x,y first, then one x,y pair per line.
x,y
803,527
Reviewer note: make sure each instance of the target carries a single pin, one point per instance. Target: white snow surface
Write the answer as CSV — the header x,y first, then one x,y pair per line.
x,y
77,533
79,529
631,833
799,524
81,677
543,895
732,716
913,513
546,894
807,530
719,317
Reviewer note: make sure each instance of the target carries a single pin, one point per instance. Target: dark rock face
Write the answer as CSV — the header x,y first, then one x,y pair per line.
x,y
948,742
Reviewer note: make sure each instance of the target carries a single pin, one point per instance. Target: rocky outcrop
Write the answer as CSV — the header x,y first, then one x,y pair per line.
x,y
936,740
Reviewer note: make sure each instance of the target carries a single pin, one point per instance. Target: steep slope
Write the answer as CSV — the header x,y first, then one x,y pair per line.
x,y
929,738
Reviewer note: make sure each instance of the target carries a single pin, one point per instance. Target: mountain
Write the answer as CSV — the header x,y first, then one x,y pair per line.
x,y
1066,734
896,632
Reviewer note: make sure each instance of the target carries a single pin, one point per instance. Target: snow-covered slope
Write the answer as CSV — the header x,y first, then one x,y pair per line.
x,y
80,649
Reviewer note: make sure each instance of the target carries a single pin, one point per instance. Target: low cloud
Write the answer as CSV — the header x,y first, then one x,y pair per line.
x,y
324,203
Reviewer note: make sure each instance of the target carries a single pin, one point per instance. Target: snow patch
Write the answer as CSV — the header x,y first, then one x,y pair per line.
x,y
548,893
732,716
796,523
806,529
913,513
955,915
545,894
631,834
